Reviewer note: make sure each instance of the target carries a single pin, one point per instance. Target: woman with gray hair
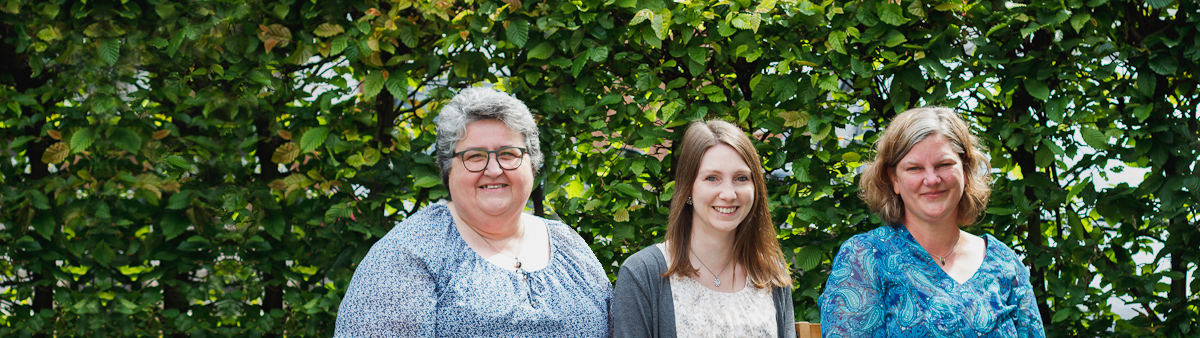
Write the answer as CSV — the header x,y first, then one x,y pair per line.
x,y
478,265
920,275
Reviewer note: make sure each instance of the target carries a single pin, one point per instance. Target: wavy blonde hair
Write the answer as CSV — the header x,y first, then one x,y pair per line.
x,y
755,245
908,128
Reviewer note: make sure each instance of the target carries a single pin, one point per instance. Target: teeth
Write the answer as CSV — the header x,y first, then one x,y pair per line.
x,y
493,186
725,210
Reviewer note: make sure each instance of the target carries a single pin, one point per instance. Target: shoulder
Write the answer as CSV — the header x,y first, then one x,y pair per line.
x,y
877,238
429,232
649,259
1000,254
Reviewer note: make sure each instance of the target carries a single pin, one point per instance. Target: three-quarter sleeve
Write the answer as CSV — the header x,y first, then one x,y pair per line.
x,y
392,294
1029,318
851,305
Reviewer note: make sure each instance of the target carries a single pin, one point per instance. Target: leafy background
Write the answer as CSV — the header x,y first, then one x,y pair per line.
x,y
219,167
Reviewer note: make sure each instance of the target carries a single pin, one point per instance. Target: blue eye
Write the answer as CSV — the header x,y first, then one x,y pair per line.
x,y
743,179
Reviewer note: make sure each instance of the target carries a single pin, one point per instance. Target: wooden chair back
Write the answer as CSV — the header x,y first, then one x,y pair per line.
x,y
808,330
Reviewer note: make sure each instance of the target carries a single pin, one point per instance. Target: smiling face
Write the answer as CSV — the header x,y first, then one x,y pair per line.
x,y
494,192
929,179
723,192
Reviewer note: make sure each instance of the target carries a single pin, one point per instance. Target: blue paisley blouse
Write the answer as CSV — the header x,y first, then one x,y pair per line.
x,y
422,280
884,284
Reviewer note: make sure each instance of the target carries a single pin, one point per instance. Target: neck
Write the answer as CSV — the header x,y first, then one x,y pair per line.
x,y
493,228
936,237
715,249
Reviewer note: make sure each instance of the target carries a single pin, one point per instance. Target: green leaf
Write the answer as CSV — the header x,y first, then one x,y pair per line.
x,y
1037,88
1078,187
809,257
1159,4
372,85
598,54
1164,64
917,9
851,157
428,181
28,244
313,138
1056,108
274,224
127,139
179,200
1146,82
892,14
518,32
179,162
1094,138
110,51
173,225
660,24
543,51
642,15
38,199
629,190
1043,158
1080,19
82,139
44,224
894,38
1000,211
103,254
397,84
337,45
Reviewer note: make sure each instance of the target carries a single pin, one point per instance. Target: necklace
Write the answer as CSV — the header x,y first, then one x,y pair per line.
x,y
943,258
517,257
716,276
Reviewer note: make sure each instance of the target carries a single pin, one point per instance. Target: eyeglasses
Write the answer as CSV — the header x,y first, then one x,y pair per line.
x,y
476,160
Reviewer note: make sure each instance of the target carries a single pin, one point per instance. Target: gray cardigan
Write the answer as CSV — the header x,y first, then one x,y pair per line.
x,y
642,304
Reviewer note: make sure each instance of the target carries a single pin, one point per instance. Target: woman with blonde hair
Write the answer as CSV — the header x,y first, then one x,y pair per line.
x,y
920,275
720,272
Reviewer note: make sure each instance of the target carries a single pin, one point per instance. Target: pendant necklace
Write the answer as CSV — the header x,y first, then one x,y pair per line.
x,y
943,258
516,258
717,276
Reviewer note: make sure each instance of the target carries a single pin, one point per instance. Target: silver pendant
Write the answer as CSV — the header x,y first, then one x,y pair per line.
x,y
517,263
717,281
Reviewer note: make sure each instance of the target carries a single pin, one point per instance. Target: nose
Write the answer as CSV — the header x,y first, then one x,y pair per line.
x,y
727,193
932,177
493,166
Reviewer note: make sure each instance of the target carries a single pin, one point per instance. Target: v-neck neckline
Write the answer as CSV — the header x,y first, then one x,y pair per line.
x,y
928,258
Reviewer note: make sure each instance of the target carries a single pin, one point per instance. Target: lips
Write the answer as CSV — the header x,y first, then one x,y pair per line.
x,y
934,194
725,210
493,186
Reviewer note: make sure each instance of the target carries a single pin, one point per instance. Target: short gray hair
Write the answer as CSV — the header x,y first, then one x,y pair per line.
x,y
477,104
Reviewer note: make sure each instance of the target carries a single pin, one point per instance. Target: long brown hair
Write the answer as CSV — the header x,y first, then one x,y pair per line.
x,y
755,245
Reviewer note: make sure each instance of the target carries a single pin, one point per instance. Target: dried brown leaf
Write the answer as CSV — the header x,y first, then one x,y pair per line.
x,y
161,134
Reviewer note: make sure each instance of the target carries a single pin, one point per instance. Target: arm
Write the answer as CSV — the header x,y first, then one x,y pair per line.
x,y
852,305
1029,318
633,312
392,294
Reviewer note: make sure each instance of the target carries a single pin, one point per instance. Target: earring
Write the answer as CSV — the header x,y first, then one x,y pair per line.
x,y
689,200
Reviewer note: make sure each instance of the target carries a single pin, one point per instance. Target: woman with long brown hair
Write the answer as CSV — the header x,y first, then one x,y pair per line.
x,y
720,271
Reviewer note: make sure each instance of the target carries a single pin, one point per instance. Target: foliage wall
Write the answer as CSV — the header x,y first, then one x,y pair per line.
x,y
218,167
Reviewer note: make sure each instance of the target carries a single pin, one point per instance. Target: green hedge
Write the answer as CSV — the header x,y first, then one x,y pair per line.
x,y
219,167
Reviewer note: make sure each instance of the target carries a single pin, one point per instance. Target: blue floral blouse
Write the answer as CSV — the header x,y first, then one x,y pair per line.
x,y
884,284
422,280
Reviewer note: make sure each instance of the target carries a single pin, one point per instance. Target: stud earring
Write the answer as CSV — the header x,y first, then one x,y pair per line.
x,y
689,200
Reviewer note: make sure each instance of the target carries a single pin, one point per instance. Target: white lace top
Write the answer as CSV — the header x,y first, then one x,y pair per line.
x,y
701,312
